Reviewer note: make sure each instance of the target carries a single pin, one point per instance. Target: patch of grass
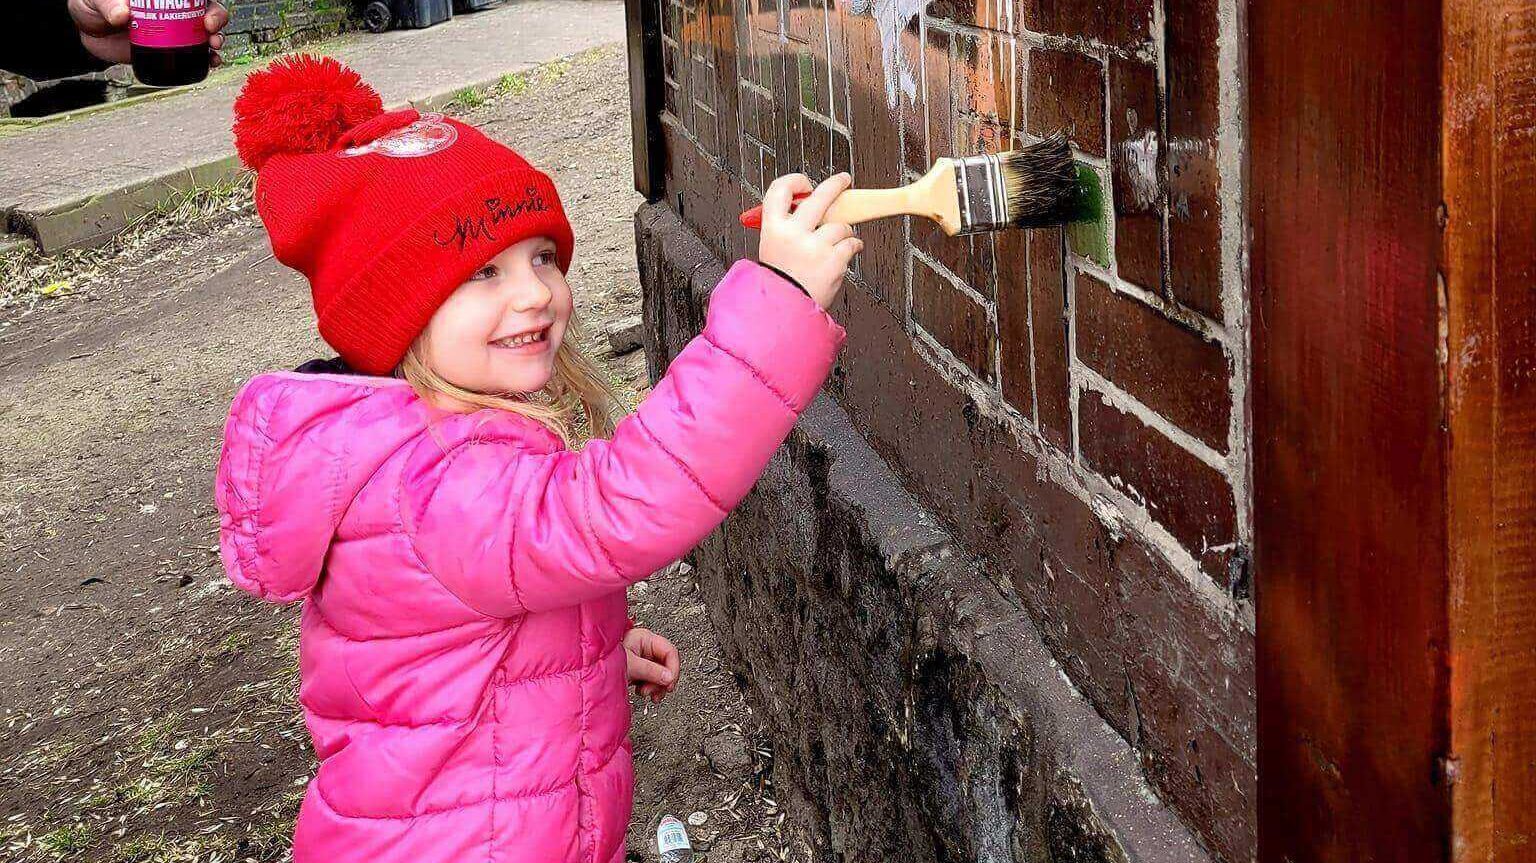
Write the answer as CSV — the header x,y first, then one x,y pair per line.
x,y
554,70
67,842
468,99
512,84
29,277
233,643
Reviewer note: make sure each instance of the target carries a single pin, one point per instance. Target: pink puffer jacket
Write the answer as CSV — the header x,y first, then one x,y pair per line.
x,y
464,575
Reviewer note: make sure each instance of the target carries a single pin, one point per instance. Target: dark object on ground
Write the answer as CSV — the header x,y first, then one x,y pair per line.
x,y
382,15
462,6
69,95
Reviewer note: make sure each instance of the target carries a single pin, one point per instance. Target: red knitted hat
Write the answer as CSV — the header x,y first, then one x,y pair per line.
x,y
385,213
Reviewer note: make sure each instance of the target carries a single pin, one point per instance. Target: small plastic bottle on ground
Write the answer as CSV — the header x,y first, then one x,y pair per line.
x,y
672,844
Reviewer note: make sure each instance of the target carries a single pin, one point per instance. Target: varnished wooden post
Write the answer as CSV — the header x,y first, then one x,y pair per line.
x,y
1349,459
1489,270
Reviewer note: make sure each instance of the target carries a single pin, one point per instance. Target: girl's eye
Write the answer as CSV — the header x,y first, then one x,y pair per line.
x,y
486,272
544,258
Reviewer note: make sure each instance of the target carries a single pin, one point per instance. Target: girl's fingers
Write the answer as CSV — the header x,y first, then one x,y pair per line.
x,y
834,232
813,209
651,672
665,652
776,200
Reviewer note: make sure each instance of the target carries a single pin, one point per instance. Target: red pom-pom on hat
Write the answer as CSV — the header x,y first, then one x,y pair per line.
x,y
299,104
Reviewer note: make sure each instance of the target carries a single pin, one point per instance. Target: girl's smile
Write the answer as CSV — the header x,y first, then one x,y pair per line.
x,y
528,341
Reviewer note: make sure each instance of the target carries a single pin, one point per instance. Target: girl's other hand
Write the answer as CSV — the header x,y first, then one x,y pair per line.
x,y
653,663
815,255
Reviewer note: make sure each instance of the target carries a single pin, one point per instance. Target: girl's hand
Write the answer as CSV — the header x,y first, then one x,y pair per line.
x,y
652,663
815,255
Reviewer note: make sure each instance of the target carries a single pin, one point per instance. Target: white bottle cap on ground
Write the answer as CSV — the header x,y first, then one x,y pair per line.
x,y
672,841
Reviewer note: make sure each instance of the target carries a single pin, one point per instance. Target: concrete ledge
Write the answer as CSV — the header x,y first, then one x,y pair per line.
x,y
95,220
916,713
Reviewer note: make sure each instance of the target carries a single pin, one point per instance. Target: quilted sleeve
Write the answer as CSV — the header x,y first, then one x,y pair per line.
x,y
509,532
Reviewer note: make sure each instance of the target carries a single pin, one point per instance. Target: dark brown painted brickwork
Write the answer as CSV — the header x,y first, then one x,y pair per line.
x,y
1164,365
1102,468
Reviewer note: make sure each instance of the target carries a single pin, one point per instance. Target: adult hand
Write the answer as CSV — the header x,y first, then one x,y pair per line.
x,y
103,26
814,254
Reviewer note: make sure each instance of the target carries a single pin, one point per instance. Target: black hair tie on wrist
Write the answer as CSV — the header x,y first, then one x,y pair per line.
x,y
788,278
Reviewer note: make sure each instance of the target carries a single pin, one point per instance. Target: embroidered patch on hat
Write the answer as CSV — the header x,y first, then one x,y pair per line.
x,y
427,135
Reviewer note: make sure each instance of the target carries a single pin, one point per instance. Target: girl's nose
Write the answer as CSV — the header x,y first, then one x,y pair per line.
x,y
529,293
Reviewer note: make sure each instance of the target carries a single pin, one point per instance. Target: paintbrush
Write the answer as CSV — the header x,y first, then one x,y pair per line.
x,y
1031,187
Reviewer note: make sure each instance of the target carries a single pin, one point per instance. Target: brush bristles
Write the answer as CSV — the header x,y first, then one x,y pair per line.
x,y
1031,187
1040,183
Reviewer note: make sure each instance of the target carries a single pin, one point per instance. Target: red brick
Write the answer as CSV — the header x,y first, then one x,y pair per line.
x,y
938,101
914,111
766,50
1014,343
805,23
842,153
1066,91
817,143
1048,301
877,161
1183,494
1168,368
981,13
1194,221
983,87
1120,23
752,171
1138,160
969,257
953,318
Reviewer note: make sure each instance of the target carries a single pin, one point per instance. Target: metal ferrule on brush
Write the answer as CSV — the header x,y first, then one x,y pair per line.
x,y
983,196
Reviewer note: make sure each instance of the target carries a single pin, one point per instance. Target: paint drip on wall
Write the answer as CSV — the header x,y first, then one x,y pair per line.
x,y
891,17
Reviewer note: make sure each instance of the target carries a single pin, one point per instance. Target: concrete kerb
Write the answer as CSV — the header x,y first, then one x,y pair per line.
x,y
94,220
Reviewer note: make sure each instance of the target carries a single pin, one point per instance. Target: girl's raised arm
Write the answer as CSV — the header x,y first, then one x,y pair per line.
x,y
510,532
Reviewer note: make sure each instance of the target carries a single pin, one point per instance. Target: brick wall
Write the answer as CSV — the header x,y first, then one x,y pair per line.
x,y
1071,402
265,26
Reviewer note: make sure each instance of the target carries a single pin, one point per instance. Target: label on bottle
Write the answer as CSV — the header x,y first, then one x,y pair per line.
x,y
672,844
167,23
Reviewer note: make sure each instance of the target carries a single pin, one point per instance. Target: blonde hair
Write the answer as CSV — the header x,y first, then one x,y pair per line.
x,y
577,404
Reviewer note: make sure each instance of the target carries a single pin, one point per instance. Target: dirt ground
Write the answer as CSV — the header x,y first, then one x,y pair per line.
x,y
149,708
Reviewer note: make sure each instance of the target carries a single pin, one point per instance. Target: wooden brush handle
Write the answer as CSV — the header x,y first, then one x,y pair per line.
x,y
853,206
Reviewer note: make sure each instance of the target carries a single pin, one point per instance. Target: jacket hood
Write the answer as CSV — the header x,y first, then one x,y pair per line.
x,y
297,449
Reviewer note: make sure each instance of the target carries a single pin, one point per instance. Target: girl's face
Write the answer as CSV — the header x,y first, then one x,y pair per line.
x,y
497,333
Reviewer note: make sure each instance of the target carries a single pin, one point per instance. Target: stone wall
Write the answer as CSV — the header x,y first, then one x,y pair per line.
x,y
1070,404
270,26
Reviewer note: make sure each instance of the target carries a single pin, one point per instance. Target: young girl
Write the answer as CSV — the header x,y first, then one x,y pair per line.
x,y
465,648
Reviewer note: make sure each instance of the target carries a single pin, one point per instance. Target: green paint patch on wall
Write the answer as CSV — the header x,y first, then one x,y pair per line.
x,y
1088,232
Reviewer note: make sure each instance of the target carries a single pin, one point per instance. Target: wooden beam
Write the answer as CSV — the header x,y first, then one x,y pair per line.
x,y
642,25
1489,71
1348,444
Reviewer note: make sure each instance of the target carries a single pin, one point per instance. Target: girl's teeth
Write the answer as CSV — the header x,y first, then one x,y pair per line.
x,y
523,340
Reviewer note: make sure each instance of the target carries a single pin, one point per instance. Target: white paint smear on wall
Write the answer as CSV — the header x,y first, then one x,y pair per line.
x,y
891,17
